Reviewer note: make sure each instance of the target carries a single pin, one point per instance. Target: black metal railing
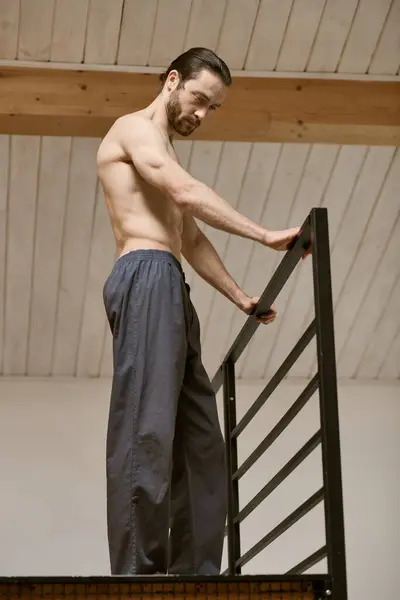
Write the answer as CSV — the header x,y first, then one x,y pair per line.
x,y
315,231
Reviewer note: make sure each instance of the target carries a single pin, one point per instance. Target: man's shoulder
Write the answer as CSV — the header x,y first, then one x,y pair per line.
x,y
121,131
134,122
125,129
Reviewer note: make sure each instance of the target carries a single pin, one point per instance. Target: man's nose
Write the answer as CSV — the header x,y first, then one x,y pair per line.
x,y
201,113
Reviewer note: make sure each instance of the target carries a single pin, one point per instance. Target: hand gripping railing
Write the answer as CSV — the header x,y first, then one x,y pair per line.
x,y
314,230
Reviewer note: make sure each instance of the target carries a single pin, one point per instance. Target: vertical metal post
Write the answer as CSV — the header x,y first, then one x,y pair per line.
x,y
334,519
232,465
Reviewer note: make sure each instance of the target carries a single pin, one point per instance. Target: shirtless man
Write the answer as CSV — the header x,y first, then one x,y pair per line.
x,y
166,479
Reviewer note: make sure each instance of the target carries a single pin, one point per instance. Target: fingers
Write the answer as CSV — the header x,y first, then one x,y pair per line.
x,y
293,240
269,317
293,235
265,320
308,251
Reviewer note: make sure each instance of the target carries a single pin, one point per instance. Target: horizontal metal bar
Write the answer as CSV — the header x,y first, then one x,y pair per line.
x,y
286,470
276,283
279,427
283,526
309,562
277,378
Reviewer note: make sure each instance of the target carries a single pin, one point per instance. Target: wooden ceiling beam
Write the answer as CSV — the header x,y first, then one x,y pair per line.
x,y
37,101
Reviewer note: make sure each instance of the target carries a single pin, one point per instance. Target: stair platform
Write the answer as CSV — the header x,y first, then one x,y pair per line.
x,y
167,587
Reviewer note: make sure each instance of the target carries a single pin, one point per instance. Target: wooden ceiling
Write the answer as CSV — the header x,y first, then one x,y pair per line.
x,y
56,247
315,36
255,37
56,250
64,102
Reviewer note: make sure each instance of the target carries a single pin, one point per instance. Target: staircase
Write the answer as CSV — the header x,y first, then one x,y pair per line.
x,y
294,585
243,587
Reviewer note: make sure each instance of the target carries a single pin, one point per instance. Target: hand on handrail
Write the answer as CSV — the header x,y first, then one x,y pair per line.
x,y
249,306
285,240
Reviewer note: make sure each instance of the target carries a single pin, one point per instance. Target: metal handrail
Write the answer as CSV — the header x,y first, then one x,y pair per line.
x,y
314,230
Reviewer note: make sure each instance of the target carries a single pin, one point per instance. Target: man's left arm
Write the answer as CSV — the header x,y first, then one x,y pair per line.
x,y
204,259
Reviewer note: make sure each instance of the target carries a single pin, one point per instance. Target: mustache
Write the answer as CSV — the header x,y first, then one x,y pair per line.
x,y
195,122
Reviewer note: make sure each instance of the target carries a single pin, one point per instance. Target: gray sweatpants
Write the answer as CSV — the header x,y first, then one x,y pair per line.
x,y
166,477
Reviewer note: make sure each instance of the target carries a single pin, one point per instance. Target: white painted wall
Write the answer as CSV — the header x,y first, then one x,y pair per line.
x,y
52,498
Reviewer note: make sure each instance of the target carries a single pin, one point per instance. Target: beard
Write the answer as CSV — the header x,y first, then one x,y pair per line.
x,y
182,125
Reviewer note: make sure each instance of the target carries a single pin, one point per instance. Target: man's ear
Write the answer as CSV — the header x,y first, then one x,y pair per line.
x,y
173,80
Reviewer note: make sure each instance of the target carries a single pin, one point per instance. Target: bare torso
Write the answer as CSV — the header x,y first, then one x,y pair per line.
x,y
141,217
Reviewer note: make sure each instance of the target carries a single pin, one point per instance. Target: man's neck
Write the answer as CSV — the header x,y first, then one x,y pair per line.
x,y
158,114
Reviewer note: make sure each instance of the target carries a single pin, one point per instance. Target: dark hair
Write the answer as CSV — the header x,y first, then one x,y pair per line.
x,y
190,63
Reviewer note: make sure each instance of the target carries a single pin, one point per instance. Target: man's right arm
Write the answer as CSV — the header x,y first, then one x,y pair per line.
x,y
144,145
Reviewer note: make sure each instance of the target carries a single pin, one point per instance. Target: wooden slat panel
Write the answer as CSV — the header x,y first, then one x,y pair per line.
x,y
240,16
253,197
77,232
102,258
367,319
228,184
52,195
302,27
367,26
168,41
203,165
103,31
386,59
66,102
9,17
20,239
316,179
183,151
4,171
69,31
332,34
337,197
261,261
268,33
343,268
35,33
391,364
205,23
352,229
136,32
282,193
376,237
384,340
